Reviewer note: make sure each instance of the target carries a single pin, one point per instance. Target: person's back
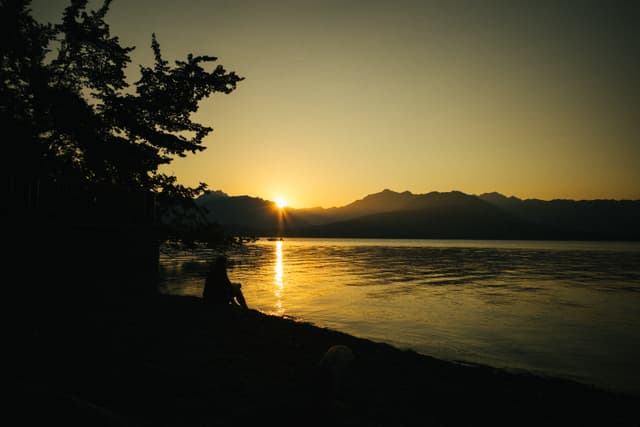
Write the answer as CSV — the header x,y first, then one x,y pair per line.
x,y
218,289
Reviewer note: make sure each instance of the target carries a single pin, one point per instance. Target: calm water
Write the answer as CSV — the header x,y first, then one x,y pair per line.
x,y
569,309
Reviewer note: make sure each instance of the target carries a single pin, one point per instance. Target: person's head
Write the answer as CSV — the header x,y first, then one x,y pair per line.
x,y
219,265
221,261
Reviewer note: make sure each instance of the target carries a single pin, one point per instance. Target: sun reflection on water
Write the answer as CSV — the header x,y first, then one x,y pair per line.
x,y
278,279
557,307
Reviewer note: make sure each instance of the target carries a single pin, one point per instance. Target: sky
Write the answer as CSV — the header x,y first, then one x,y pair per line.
x,y
341,99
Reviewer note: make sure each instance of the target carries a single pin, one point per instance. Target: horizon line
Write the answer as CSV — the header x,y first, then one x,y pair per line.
x,y
430,192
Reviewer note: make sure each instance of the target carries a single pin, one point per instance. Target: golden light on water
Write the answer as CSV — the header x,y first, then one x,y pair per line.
x,y
278,267
278,279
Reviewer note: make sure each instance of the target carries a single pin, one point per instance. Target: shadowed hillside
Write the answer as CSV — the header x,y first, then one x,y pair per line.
x,y
606,219
245,215
439,216
433,215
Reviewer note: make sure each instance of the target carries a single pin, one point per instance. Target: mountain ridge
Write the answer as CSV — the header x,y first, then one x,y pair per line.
x,y
435,214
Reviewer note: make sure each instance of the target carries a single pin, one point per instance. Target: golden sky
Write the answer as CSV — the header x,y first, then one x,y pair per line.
x,y
346,98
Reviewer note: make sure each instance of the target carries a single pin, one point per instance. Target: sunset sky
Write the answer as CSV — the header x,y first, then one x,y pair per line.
x,y
536,99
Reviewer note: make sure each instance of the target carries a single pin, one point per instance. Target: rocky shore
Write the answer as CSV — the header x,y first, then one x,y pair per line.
x,y
171,361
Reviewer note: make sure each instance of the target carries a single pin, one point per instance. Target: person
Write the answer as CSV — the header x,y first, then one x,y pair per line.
x,y
218,289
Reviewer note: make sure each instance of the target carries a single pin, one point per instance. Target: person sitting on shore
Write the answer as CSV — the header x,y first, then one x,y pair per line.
x,y
218,289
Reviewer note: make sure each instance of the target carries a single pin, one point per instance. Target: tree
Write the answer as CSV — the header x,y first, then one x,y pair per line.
x,y
71,115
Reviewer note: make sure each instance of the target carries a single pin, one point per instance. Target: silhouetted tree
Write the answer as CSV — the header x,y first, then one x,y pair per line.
x,y
68,112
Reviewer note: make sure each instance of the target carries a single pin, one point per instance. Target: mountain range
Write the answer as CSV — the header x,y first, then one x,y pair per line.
x,y
436,215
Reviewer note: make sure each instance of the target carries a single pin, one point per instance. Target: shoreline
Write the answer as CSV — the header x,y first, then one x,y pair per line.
x,y
171,361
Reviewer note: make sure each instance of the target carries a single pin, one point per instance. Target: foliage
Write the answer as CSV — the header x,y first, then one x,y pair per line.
x,y
72,116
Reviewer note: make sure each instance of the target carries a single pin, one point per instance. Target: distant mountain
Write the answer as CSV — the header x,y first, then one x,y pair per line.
x,y
385,201
451,215
245,215
212,195
432,215
602,219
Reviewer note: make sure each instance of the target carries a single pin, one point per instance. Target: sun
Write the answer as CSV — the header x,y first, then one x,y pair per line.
x,y
281,202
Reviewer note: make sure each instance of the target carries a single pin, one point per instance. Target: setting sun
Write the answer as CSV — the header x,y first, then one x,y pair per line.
x,y
281,202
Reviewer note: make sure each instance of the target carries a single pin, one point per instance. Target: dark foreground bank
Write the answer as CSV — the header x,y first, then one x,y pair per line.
x,y
171,361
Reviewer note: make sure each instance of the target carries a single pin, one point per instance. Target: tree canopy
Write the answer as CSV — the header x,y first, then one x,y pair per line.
x,y
67,111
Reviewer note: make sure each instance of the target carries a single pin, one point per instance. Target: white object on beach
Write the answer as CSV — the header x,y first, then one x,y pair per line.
x,y
335,361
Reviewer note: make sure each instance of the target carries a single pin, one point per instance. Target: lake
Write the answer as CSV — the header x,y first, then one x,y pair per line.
x,y
568,309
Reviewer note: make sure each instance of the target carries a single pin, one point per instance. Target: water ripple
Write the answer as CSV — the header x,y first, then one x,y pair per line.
x,y
550,306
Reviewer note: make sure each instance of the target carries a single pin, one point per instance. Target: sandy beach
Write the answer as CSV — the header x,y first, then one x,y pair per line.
x,y
172,361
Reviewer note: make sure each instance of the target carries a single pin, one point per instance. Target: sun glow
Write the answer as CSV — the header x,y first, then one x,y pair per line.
x,y
281,202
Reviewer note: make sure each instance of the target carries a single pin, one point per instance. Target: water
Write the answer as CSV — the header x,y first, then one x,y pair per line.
x,y
568,309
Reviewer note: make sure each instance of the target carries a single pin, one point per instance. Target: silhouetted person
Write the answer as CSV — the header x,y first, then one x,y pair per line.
x,y
218,289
